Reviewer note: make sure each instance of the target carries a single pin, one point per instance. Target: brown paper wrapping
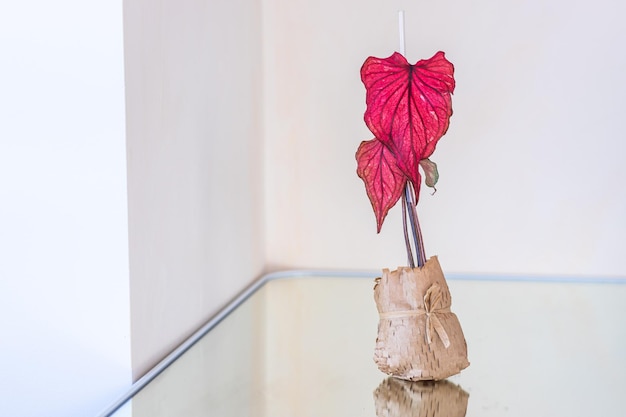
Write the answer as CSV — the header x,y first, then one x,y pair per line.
x,y
419,338
397,398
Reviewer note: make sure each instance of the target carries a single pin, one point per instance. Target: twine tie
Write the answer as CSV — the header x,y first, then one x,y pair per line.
x,y
432,307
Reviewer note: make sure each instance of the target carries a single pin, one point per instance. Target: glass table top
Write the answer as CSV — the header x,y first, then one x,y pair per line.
x,y
303,346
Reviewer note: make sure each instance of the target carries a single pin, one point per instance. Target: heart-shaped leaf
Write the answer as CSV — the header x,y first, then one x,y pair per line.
x,y
384,182
408,106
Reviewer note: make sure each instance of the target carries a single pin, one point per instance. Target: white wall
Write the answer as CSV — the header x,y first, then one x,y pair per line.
x,y
194,164
531,167
64,314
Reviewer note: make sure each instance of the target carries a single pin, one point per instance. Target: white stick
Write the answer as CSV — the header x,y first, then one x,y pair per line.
x,y
401,32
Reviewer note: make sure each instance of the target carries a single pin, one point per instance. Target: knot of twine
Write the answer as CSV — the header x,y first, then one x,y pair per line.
x,y
432,307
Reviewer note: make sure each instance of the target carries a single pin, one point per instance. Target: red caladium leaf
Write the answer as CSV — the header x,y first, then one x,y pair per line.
x,y
384,182
408,106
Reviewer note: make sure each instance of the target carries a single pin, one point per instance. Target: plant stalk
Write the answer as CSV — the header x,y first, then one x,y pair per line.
x,y
411,206
407,241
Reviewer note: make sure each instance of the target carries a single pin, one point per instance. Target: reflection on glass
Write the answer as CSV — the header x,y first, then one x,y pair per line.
x,y
398,398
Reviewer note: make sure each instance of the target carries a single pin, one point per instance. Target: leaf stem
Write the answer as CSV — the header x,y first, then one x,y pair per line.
x,y
411,205
407,241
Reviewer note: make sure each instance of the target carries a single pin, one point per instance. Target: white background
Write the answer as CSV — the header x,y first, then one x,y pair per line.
x,y
64,298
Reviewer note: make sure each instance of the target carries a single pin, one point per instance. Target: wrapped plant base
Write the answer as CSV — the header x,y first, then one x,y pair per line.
x,y
397,398
419,338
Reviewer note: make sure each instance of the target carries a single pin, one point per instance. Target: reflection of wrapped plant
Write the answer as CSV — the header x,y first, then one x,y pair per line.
x,y
408,111
398,398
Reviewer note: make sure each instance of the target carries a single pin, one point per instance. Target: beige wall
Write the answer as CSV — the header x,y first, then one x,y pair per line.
x,y
244,117
532,165
194,166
